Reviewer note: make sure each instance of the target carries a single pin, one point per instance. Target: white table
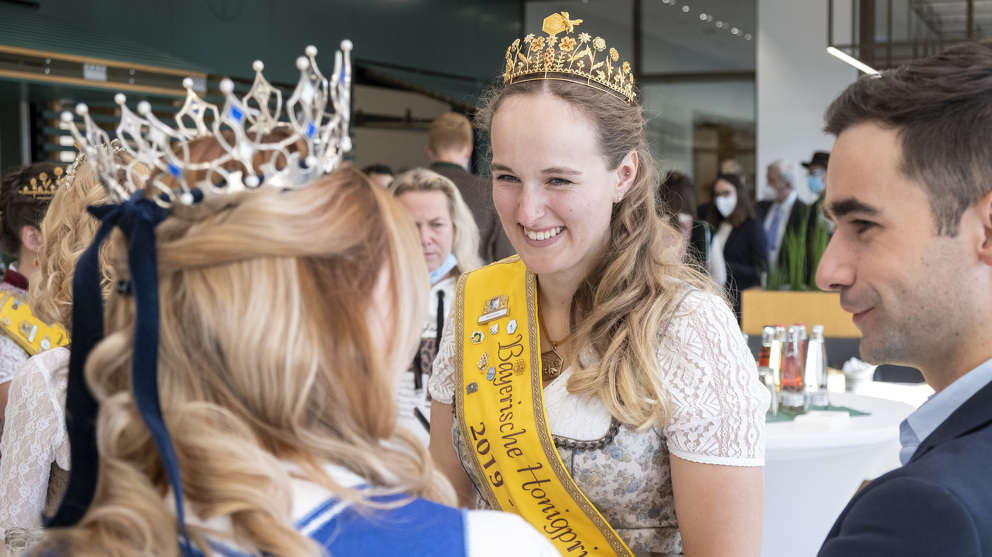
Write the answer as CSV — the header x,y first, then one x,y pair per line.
x,y
811,475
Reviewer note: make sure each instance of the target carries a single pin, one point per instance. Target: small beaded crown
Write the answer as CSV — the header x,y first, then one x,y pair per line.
x,y
248,134
569,59
43,186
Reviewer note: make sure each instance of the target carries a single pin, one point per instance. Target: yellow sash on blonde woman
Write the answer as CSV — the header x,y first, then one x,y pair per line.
x,y
499,404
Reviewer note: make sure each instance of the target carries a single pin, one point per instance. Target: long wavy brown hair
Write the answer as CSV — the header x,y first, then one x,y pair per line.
x,y
626,298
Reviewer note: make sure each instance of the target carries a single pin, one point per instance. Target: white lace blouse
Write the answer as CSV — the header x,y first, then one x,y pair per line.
x,y
33,439
718,405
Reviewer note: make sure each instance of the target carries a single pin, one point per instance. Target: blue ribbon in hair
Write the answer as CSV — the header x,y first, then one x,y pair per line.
x,y
137,218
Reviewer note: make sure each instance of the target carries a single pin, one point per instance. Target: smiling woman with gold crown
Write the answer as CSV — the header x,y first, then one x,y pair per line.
x,y
601,389
251,411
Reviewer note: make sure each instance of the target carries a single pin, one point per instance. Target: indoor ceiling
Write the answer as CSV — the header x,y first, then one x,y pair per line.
x,y
949,18
680,36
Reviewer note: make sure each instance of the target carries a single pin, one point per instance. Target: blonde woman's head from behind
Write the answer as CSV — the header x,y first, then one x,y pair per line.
x,y
285,318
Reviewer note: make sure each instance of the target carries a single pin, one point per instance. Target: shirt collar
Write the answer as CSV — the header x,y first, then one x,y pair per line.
x,y
789,201
940,406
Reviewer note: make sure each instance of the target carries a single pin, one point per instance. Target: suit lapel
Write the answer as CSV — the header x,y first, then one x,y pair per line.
x,y
976,412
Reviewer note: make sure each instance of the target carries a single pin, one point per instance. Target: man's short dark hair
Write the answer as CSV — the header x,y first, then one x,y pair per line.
x,y
941,107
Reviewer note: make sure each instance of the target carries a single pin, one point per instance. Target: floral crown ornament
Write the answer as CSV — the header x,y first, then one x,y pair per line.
x,y
247,135
43,186
568,59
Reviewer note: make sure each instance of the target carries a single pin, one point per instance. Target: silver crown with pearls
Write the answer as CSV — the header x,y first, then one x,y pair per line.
x,y
244,128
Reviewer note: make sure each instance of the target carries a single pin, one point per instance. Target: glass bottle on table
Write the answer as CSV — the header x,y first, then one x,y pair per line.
x,y
803,339
766,374
793,393
778,351
815,375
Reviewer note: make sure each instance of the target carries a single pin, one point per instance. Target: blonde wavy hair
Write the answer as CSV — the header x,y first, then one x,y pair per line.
x,y
465,246
266,356
628,297
67,231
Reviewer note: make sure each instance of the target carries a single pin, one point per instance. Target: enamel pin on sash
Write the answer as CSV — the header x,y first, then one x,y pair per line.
x,y
494,308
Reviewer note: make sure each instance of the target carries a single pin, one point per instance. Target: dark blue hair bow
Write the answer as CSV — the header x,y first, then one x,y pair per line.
x,y
137,218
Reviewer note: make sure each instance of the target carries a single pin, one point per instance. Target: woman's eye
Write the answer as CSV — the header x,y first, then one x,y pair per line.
x,y
506,178
559,182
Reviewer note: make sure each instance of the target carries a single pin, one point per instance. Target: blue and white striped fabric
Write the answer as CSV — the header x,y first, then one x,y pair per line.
x,y
420,528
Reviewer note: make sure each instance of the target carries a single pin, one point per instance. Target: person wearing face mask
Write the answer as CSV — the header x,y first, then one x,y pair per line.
x,y
817,169
740,234
449,238
817,182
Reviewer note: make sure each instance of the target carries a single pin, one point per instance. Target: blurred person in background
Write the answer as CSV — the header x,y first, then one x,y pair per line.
x,y
24,198
450,243
784,213
35,447
380,174
676,202
449,146
740,235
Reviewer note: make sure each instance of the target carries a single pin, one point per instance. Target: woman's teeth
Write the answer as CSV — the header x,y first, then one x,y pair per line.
x,y
545,234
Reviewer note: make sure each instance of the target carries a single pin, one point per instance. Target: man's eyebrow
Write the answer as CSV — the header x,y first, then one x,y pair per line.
x,y
844,207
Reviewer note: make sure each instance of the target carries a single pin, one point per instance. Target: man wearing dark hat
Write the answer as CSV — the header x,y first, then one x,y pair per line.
x,y
817,172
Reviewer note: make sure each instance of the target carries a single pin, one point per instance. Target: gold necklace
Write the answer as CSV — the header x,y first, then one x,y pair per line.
x,y
551,361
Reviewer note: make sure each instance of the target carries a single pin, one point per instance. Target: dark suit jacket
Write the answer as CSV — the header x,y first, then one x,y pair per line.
x,y
939,503
746,254
797,220
478,195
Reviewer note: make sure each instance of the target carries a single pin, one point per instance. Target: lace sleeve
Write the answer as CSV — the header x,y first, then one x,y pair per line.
x,y
12,357
30,440
442,382
718,405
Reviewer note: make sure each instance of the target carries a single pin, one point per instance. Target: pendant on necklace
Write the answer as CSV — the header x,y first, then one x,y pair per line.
x,y
551,364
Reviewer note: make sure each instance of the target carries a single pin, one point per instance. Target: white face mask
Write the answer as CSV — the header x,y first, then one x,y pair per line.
x,y
726,205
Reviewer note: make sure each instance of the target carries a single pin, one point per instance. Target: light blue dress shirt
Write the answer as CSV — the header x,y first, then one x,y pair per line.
x,y
928,417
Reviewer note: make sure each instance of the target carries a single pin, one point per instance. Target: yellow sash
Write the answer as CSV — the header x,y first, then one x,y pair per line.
x,y
29,332
499,404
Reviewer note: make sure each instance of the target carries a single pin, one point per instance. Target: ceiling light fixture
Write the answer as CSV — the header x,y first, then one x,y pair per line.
x,y
852,61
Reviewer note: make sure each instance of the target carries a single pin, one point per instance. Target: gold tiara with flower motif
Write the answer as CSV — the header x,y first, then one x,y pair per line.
x,y
568,59
43,186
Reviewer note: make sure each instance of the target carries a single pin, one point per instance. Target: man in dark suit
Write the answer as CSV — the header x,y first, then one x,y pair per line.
x,y
910,189
449,146
784,213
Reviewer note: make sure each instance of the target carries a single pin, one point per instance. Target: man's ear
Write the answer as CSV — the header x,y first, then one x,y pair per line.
x,y
983,210
31,238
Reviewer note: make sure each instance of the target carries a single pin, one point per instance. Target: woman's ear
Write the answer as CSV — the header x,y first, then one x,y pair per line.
x,y
626,173
31,238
